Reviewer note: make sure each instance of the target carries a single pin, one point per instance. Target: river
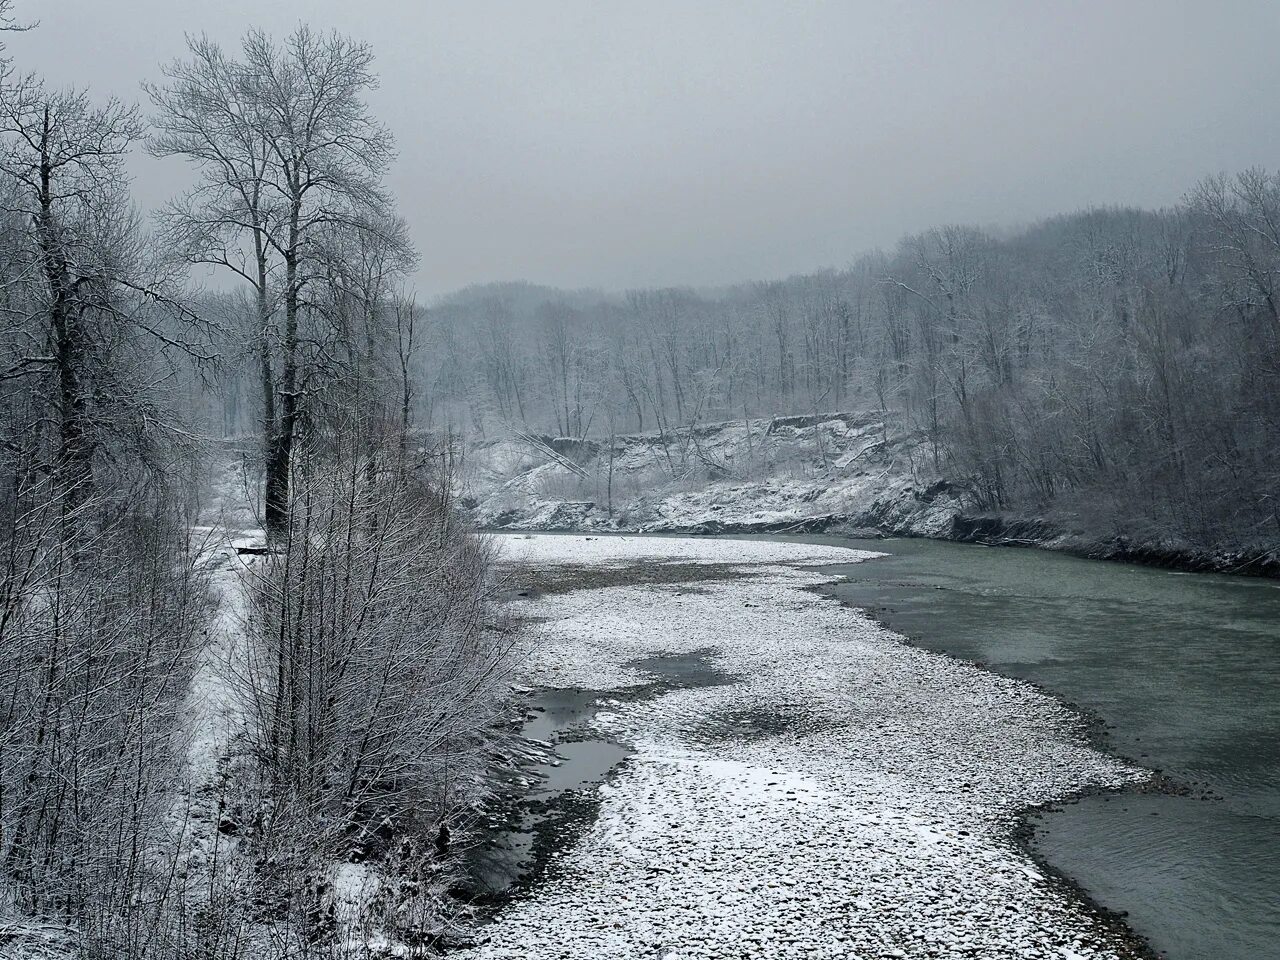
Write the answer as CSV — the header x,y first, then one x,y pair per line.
x,y
1183,670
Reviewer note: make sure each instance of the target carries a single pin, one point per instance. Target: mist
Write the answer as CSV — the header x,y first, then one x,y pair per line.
x,y
567,481
660,144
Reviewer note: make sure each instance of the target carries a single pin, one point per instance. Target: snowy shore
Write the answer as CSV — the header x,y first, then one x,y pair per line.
x,y
846,795
842,473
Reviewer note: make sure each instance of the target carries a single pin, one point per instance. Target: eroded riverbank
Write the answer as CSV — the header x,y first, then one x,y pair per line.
x,y
846,794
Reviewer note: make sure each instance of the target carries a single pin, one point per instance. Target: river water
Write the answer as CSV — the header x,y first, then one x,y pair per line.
x,y
1183,669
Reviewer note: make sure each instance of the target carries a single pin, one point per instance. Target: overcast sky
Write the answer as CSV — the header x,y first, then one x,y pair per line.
x,y
632,144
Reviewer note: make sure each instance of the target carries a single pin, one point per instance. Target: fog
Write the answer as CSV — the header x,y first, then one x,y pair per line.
x,y
616,145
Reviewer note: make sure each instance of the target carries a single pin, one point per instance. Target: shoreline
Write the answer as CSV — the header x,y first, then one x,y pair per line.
x,y
972,530
835,473
1022,834
1119,939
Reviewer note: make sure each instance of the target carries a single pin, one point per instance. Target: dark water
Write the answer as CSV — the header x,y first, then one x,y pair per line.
x,y
546,800
549,798
1185,671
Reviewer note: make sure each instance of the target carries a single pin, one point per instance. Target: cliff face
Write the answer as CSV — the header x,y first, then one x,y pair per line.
x,y
850,473
785,473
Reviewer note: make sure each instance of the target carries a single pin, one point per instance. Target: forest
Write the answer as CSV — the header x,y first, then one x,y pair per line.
x,y
209,706
1114,363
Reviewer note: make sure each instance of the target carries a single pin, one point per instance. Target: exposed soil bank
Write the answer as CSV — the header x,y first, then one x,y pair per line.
x,y
839,473
997,530
987,529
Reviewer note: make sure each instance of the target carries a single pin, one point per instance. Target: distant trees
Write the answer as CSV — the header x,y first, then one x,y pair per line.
x,y
1119,363
1243,215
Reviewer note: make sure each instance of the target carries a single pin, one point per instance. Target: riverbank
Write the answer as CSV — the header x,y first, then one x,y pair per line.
x,y
850,474
844,794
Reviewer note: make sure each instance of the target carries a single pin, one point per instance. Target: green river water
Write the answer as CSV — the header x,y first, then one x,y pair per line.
x,y
1184,669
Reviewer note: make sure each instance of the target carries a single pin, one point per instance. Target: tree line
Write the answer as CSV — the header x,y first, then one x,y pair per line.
x,y
352,645
1120,365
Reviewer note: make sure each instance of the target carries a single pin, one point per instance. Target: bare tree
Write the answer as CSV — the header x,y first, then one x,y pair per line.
x,y
101,606
65,159
206,114
287,150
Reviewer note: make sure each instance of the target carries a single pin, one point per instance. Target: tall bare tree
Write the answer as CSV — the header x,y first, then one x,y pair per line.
x,y
100,604
287,149
64,159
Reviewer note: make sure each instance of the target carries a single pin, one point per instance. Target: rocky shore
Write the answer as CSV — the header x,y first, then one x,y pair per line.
x,y
837,793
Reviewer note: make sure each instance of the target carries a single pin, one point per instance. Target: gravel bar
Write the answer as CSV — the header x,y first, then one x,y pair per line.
x,y
847,796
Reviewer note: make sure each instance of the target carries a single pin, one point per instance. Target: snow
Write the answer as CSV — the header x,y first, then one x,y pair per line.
x,y
617,551
758,475
848,795
214,712
30,938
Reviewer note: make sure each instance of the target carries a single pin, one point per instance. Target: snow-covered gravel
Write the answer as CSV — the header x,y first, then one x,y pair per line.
x,y
848,796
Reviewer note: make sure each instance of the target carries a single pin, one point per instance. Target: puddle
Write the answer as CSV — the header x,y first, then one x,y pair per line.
x,y
549,798
683,671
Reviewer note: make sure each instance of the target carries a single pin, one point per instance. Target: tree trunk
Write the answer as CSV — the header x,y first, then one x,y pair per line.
x,y
280,452
74,452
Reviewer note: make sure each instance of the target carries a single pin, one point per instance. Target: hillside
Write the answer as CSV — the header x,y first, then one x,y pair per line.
x,y
850,473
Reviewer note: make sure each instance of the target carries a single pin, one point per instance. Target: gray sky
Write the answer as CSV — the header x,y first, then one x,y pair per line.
x,y
625,144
